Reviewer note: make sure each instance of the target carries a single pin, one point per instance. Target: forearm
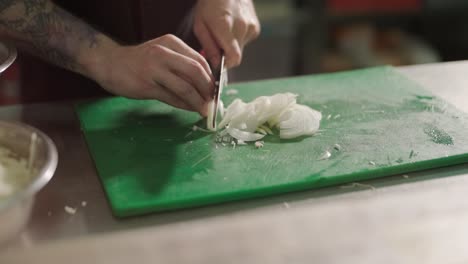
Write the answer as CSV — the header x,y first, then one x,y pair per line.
x,y
164,68
44,29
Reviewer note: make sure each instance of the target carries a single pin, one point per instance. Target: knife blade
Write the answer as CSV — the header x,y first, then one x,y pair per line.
x,y
220,82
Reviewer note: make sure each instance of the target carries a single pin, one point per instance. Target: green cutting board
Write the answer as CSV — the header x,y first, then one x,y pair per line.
x,y
149,159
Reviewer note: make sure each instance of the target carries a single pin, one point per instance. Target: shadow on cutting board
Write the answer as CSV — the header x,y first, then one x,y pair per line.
x,y
143,139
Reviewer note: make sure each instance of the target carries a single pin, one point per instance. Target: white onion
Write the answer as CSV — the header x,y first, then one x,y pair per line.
x,y
210,117
221,109
281,110
235,107
298,120
243,135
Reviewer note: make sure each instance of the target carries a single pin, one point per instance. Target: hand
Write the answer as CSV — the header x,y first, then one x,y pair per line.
x,y
225,25
164,68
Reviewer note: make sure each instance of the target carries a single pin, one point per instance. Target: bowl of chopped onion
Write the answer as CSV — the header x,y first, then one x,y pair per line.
x,y
28,159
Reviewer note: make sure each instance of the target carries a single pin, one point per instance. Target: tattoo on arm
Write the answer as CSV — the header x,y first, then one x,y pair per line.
x,y
31,6
48,30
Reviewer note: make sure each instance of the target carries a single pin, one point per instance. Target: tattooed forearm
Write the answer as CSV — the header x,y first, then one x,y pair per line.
x,y
47,30
31,6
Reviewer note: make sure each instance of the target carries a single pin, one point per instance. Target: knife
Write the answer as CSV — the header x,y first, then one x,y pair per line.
x,y
213,107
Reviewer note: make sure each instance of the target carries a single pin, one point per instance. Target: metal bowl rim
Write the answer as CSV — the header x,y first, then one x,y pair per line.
x,y
11,57
44,174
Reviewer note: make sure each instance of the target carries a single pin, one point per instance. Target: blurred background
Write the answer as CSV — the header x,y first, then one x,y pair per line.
x,y
313,36
316,36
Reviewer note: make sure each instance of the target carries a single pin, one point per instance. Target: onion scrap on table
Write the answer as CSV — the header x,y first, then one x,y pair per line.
x,y
259,144
247,122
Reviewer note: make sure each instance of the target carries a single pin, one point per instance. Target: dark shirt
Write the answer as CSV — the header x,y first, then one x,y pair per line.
x,y
126,21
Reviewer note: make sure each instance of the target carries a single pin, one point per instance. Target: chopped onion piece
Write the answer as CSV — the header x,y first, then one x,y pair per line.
x,y
241,142
281,110
221,109
261,131
210,123
267,129
233,109
259,144
232,92
243,135
298,120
